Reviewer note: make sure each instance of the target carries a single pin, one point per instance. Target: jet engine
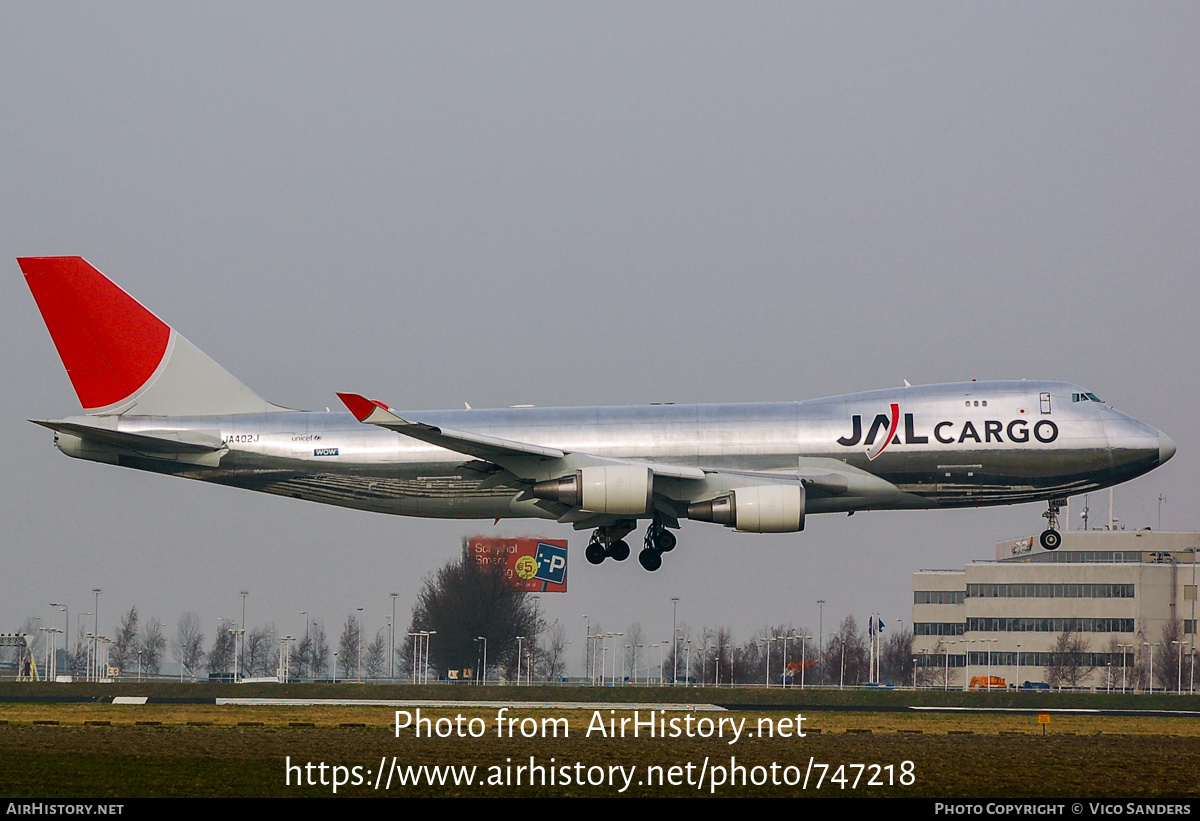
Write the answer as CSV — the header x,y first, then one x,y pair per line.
x,y
758,509
623,490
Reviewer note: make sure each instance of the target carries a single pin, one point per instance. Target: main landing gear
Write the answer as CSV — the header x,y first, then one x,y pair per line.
x,y
609,543
1051,538
658,541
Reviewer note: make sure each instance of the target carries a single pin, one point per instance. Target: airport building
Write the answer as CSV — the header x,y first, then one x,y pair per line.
x,y
1092,613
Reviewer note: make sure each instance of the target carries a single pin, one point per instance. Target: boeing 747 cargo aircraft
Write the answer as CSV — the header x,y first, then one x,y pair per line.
x,y
153,401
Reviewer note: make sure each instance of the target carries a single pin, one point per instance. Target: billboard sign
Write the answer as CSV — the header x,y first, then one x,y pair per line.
x,y
531,564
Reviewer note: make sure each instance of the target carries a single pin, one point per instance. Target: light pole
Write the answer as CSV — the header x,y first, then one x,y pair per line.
x,y
821,634
392,639
416,654
842,675
519,640
1192,640
358,672
587,647
674,641
484,667
967,663
67,631
237,669
946,680
990,642
96,628
614,667
803,665
1179,669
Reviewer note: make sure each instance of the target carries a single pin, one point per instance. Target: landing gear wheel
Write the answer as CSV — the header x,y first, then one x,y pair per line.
x,y
618,550
1051,539
595,553
664,541
650,559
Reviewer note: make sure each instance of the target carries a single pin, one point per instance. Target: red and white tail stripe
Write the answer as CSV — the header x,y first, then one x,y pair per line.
x,y
121,358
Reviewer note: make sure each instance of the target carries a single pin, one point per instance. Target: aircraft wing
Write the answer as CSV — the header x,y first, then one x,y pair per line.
x,y
523,460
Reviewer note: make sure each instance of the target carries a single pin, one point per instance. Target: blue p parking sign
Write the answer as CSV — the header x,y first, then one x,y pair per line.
x,y
552,563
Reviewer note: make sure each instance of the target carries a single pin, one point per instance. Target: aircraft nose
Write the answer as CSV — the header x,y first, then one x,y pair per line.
x,y
1166,447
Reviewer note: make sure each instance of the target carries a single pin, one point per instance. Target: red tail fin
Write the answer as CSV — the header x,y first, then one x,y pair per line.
x,y
109,344
121,358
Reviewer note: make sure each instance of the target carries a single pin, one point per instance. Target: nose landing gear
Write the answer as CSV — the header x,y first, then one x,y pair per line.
x,y
1051,538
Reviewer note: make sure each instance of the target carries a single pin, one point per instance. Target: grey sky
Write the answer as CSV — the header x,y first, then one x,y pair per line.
x,y
588,204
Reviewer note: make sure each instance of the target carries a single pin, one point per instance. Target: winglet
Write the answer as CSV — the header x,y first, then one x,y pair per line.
x,y
363,408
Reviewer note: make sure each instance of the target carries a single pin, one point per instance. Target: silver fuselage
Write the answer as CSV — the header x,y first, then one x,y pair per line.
x,y
951,445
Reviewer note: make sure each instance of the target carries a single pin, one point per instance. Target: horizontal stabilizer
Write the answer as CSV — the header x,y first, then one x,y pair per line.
x,y
159,441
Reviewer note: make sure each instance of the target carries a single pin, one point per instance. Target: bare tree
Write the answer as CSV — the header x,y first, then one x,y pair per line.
x,y
257,655
79,658
896,658
152,644
375,658
300,658
720,658
1070,660
221,655
188,644
702,660
318,658
348,646
553,655
634,635
748,663
932,669
845,654
123,653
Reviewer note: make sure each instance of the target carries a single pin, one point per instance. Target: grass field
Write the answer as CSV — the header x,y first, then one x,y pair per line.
x,y
101,750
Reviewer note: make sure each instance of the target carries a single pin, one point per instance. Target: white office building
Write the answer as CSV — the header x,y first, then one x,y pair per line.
x,y
1091,614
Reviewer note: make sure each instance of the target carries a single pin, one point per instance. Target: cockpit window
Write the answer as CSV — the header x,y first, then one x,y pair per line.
x,y
1085,397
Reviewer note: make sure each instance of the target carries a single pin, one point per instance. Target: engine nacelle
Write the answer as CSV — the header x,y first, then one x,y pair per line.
x,y
758,509
623,490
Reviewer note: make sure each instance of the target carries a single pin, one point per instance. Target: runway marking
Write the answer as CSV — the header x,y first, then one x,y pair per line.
x,y
512,705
